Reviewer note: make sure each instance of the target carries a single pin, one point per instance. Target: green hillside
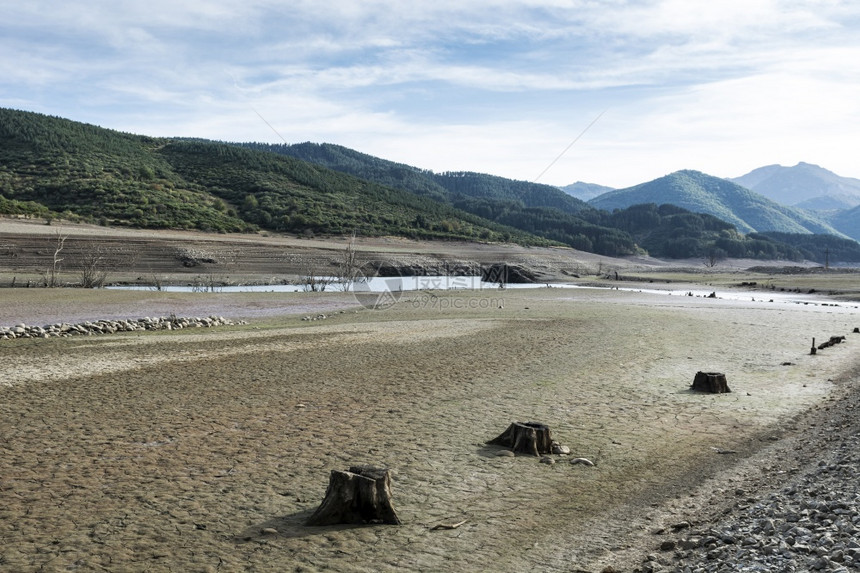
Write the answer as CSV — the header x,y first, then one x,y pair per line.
x,y
823,249
55,167
52,167
701,193
441,186
671,232
667,231
540,210
86,172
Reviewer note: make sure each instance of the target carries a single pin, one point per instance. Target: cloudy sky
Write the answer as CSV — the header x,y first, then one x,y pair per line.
x,y
615,92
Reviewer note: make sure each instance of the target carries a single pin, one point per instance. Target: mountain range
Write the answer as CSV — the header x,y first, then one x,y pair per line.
x,y
805,186
701,193
585,191
52,167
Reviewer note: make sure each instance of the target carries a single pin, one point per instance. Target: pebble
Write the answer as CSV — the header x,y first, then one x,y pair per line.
x,y
810,524
90,328
560,450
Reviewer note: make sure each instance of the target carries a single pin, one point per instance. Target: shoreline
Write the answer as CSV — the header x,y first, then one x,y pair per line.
x,y
608,370
680,533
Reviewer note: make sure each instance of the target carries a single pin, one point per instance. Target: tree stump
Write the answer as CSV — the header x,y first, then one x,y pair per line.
x,y
713,382
528,437
834,340
360,495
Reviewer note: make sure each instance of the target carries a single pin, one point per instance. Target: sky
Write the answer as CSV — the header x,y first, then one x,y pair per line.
x,y
613,92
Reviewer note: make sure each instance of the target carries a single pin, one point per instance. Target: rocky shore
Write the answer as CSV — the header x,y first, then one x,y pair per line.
x,y
91,328
807,520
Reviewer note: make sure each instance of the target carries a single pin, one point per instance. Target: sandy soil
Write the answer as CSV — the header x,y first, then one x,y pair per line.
x,y
207,450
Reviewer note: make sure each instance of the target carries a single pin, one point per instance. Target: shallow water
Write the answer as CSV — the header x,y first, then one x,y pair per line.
x,y
474,283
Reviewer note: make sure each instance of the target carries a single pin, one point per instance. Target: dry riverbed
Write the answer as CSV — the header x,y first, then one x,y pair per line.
x,y
205,450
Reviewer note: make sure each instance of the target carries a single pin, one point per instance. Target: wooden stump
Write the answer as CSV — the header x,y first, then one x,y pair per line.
x,y
832,342
713,382
528,437
360,495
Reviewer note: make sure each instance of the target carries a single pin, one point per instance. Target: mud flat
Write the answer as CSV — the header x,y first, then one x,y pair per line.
x,y
207,450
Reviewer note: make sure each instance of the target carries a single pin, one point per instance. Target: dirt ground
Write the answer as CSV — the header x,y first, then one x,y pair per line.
x,y
29,249
205,450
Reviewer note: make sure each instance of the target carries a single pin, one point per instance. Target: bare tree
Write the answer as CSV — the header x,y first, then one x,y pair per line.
x,y
157,280
93,268
347,266
207,283
51,275
312,280
93,262
714,256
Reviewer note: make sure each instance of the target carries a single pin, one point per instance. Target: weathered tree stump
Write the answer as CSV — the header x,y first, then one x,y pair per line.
x,y
713,382
834,340
360,495
528,437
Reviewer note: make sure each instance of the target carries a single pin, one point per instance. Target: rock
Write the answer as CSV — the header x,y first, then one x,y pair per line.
x,y
560,450
90,328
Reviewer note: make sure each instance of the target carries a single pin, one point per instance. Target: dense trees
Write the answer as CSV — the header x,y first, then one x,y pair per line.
x,y
824,249
50,167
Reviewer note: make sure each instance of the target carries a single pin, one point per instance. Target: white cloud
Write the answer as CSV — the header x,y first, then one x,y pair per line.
x,y
490,85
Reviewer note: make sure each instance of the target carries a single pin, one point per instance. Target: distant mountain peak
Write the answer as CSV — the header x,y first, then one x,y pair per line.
x,y
585,191
703,193
805,184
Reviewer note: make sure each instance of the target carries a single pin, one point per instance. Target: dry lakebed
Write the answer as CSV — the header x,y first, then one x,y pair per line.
x,y
206,449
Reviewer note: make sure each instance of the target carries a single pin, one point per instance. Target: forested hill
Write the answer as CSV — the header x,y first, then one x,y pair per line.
x,y
442,186
702,193
666,231
540,210
52,167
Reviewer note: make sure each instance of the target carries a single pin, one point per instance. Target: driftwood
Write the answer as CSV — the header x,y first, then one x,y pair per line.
x,y
713,382
834,340
528,437
448,526
360,495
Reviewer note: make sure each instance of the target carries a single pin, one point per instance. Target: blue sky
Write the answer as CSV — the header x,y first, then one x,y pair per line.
x,y
501,87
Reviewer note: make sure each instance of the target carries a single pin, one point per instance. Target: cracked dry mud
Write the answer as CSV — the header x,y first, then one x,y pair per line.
x,y
207,450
